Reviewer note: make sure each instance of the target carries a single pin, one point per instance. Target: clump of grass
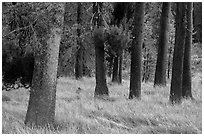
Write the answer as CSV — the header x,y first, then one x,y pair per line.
x,y
81,113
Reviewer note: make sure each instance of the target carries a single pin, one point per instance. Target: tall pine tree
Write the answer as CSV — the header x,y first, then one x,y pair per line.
x,y
178,55
160,73
41,107
79,53
186,88
101,85
136,52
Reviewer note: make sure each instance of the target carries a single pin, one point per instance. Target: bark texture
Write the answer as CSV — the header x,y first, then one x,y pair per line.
x,y
136,52
115,69
169,63
110,67
41,107
160,73
186,90
177,68
101,85
79,53
120,68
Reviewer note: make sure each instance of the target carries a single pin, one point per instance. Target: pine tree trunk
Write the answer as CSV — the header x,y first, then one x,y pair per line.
x,y
147,67
169,63
61,66
110,66
136,54
120,68
144,64
186,90
101,85
115,69
177,68
79,53
160,73
41,107
79,64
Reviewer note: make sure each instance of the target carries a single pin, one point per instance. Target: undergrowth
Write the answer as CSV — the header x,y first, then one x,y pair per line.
x,y
80,112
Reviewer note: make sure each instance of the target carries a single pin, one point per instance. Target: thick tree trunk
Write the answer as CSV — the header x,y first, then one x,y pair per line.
x,y
160,73
115,69
136,54
79,53
177,68
101,85
41,107
186,90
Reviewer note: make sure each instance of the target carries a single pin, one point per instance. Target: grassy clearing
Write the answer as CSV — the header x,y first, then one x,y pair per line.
x,y
81,113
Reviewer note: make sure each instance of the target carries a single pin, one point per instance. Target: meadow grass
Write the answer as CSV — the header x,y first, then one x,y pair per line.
x,y
82,113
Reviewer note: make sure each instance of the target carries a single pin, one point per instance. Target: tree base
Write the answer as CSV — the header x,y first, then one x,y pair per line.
x,y
101,91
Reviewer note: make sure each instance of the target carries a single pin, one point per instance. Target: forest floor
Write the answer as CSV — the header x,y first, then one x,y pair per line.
x,y
82,113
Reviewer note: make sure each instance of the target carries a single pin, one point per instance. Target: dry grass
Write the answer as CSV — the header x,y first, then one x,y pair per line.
x,y
81,113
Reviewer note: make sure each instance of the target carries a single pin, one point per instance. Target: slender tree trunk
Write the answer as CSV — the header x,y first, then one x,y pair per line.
x,y
144,63
186,90
79,63
110,66
177,68
79,53
115,69
61,65
160,73
147,66
120,68
41,107
136,54
169,63
101,85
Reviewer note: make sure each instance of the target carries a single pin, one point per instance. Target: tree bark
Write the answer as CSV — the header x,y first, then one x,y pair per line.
x,y
136,54
115,69
144,63
41,107
177,68
110,66
79,53
120,68
61,66
160,73
186,90
148,66
101,85
169,63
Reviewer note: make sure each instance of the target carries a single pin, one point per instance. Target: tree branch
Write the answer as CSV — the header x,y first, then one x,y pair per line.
x,y
16,30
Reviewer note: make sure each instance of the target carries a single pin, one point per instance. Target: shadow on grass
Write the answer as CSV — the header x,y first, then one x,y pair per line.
x,y
5,98
172,130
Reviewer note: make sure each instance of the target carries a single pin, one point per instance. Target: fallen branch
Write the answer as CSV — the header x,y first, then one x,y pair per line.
x,y
113,123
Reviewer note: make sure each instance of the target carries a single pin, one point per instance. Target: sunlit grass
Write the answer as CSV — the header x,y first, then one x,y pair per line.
x,y
81,113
